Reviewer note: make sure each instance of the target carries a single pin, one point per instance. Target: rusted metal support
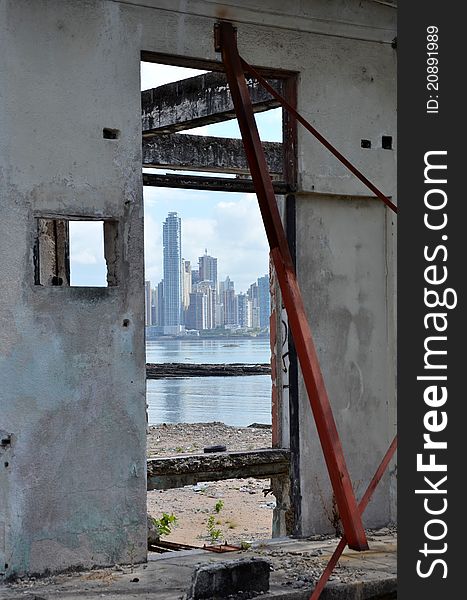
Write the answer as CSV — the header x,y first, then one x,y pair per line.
x,y
291,110
361,507
301,332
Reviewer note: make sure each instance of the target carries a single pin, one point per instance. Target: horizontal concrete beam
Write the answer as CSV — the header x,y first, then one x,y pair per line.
x,y
213,184
197,101
172,472
203,153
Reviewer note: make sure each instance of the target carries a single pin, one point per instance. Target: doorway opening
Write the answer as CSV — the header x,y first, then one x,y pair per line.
x,y
208,307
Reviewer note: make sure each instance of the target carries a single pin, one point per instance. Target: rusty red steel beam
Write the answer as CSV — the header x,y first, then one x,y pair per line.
x,y
292,298
361,507
291,110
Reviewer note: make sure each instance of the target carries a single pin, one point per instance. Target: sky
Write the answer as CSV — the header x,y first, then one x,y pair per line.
x,y
228,225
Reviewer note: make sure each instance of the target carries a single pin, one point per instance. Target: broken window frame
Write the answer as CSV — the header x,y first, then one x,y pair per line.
x,y
51,254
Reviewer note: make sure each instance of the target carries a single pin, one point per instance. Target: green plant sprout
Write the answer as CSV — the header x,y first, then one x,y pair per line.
x,y
165,523
213,533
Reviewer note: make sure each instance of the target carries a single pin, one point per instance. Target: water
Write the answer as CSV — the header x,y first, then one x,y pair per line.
x,y
196,350
237,401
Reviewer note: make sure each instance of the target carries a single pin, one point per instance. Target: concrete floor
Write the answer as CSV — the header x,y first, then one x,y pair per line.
x,y
296,563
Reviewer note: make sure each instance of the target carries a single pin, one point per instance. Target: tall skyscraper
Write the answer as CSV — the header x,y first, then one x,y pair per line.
x,y
172,240
147,303
228,284
243,310
253,296
196,316
208,268
230,307
206,288
160,303
264,301
194,277
154,307
186,276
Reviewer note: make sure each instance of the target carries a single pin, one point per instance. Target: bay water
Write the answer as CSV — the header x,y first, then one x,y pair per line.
x,y
237,401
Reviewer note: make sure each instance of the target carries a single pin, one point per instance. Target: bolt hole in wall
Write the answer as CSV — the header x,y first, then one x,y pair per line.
x,y
110,134
386,142
207,296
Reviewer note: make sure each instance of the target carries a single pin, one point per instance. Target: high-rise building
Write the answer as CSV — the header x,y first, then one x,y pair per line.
x,y
147,303
195,277
196,315
230,308
206,288
208,269
253,296
226,285
154,307
264,301
243,310
160,303
186,277
172,240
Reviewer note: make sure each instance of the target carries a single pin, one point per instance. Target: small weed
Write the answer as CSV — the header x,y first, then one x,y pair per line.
x,y
179,449
245,545
219,506
165,523
214,534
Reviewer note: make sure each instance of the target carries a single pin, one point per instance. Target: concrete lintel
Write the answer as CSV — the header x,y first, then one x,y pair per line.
x,y
214,184
197,101
204,153
171,472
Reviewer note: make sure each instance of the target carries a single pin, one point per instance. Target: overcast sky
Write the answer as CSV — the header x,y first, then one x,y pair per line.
x,y
228,225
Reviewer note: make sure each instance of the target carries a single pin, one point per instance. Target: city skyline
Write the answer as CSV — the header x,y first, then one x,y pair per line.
x,y
196,298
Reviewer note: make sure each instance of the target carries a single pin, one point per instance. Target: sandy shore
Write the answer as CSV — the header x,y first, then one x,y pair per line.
x,y
246,513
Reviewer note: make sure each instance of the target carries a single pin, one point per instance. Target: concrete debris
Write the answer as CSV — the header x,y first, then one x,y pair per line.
x,y
243,577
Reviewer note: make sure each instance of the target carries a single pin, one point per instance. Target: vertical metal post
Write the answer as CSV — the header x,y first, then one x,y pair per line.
x,y
300,329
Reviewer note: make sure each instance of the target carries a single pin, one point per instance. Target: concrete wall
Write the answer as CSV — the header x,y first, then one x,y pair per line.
x,y
72,374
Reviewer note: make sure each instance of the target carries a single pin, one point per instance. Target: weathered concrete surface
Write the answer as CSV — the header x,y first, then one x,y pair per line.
x,y
197,101
226,579
213,184
168,472
370,575
205,153
347,282
74,491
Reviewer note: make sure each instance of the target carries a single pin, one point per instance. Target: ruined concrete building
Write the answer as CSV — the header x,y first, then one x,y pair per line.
x,y
73,470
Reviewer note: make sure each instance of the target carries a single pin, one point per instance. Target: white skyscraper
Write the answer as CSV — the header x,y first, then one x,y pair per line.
x,y
173,286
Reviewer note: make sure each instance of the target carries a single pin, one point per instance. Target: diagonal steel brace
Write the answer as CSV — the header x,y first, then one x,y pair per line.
x,y
361,507
291,295
326,143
